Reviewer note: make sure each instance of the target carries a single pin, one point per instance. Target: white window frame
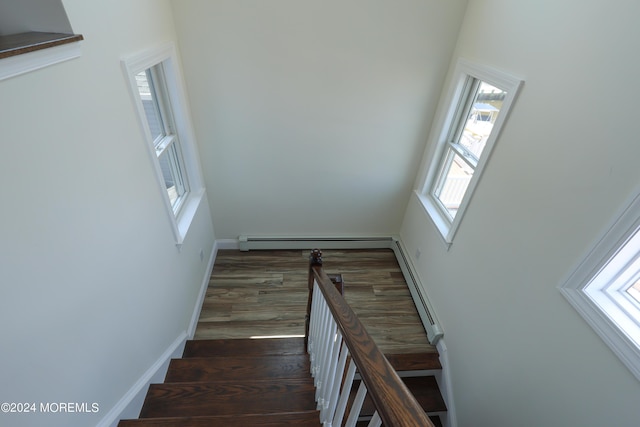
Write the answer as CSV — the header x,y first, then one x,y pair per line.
x,y
597,287
181,218
167,143
446,126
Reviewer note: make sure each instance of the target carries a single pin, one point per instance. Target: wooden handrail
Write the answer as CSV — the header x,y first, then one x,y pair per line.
x,y
394,402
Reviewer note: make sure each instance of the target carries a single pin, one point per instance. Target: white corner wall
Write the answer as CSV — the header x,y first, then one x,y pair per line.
x,y
311,114
19,16
92,287
566,163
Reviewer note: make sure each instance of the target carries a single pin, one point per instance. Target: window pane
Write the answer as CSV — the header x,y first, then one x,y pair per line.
x,y
150,104
453,183
169,181
484,111
634,291
172,174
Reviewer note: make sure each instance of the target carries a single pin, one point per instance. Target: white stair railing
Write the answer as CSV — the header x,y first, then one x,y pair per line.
x,y
328,354
338,344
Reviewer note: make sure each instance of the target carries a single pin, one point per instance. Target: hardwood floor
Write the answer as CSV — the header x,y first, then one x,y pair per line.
x,y
264,293
267,382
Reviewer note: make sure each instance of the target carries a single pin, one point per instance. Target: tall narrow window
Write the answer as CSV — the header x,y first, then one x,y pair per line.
x,y
478,110
155,82
152,89
478,104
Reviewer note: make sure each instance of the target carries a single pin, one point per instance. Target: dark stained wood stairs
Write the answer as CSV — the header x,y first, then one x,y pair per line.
x,y
414,369
257,382
238,382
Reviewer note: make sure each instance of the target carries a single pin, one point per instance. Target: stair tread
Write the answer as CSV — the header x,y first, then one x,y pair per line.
x,y
228,397
414,361
425,390
238,367
309,418
243,346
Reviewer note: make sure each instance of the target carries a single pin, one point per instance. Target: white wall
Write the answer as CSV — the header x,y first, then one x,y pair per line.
x,y
18,16
299,104
92,287
566,162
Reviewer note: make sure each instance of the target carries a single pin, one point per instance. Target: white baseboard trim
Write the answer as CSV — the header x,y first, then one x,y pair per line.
x,y
421,300
445,385
228,244
129,405
203,291
264,242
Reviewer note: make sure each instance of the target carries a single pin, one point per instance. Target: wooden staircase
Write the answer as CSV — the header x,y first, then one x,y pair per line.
x,y
416,370
257,382
267,382
240,382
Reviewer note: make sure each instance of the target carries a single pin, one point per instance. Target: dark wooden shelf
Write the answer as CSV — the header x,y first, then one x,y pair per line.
x,y
18,44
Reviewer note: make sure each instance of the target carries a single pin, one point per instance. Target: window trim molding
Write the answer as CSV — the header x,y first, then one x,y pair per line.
x,y
133,64
575,287
438,141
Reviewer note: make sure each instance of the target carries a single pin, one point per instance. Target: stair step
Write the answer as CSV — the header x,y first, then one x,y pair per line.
x,y
243,346
220,368
297,419
414,361
228,398
425,390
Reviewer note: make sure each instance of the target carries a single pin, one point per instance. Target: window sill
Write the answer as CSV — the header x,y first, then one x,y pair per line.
x,y
25,52
187,213
442,224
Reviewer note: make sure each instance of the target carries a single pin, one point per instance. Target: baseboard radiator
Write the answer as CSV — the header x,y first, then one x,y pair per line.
x,y
425,310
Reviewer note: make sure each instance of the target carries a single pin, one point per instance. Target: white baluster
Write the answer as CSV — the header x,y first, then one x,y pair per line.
x,y
323,324
326,413
313,322
329,343
320,355
314,327
375,420
334,389
346,390
357,405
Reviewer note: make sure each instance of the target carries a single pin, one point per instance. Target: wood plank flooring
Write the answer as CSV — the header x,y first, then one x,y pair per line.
x,y
264,293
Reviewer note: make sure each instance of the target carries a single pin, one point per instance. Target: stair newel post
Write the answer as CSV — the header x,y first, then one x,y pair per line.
x,y
315,260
